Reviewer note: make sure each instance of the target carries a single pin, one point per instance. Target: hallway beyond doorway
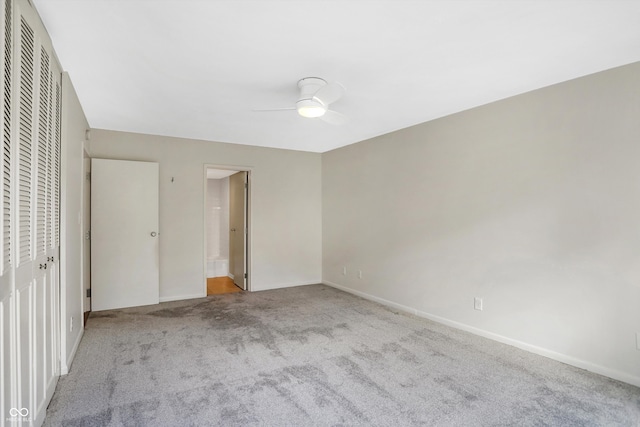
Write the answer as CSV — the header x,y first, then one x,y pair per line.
x,y
221,285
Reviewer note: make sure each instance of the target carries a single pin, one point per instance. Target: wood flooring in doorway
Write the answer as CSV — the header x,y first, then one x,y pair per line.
x,y
221,285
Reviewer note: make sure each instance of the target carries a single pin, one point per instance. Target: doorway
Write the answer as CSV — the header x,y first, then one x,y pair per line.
x,y
226,225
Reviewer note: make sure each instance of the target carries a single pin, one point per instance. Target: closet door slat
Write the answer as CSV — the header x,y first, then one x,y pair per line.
x,y
25,154
44,141
7,116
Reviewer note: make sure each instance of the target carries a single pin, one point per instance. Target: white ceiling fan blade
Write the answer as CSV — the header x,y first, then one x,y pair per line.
x,y
273,109
334,118
329,93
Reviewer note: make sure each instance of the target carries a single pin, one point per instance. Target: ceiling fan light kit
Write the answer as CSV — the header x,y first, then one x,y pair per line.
x,y
310,108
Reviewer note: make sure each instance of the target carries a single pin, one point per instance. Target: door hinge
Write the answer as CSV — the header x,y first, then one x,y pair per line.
x,y
89,293
87,235
245,275
88,176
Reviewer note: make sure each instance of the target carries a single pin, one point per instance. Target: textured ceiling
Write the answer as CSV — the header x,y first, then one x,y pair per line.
x,y
197,69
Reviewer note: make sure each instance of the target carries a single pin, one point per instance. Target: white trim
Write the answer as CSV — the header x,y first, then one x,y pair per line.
x,y
85,226
569,360
286,285
65,365
182,297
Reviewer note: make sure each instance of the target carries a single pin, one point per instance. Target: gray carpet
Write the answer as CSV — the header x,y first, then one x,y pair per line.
x,y
314,355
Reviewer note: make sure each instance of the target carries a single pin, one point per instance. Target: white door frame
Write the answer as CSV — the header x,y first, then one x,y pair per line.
x,y
85,246
248,258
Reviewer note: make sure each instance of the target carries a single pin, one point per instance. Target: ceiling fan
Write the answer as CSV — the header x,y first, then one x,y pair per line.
x,y
315,97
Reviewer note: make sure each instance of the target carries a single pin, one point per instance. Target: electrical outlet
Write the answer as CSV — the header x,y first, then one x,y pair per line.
x,y
477,303
359,274
344,271
71,325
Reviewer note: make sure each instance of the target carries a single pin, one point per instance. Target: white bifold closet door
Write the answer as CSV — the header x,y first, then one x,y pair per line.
x,y
124,234
29,271
7,300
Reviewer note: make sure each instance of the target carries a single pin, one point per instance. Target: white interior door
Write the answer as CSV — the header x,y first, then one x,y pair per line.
x,y
124,234
238,228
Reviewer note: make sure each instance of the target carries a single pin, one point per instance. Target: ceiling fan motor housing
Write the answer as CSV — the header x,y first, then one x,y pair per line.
x,y
309,86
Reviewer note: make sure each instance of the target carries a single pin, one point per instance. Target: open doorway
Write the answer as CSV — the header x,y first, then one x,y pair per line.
x,y
226,202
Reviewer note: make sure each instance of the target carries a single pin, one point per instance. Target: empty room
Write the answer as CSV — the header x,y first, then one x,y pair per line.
x,y
322,213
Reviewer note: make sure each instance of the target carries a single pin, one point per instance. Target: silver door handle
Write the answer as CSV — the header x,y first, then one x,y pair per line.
x,y
154,234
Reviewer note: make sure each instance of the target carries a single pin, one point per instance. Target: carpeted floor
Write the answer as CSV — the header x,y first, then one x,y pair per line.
x,y
314,355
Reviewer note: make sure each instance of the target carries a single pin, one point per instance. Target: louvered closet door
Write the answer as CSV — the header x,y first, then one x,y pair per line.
x,y
36,159
7,300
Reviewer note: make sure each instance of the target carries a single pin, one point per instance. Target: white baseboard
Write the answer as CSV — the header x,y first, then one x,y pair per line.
x,y
65,366
286,285
181,297
569,360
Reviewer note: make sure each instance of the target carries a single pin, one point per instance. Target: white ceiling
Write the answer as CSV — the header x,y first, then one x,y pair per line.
x,y
197,68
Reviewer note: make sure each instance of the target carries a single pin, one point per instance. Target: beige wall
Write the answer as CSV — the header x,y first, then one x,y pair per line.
x,y
285,208
74,125
532,203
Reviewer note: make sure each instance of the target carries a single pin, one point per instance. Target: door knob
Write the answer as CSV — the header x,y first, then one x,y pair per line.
x,y
154,234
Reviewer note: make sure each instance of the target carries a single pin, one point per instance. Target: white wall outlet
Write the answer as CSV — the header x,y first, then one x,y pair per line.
x,y
477,303
71,325
359,274
344,271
